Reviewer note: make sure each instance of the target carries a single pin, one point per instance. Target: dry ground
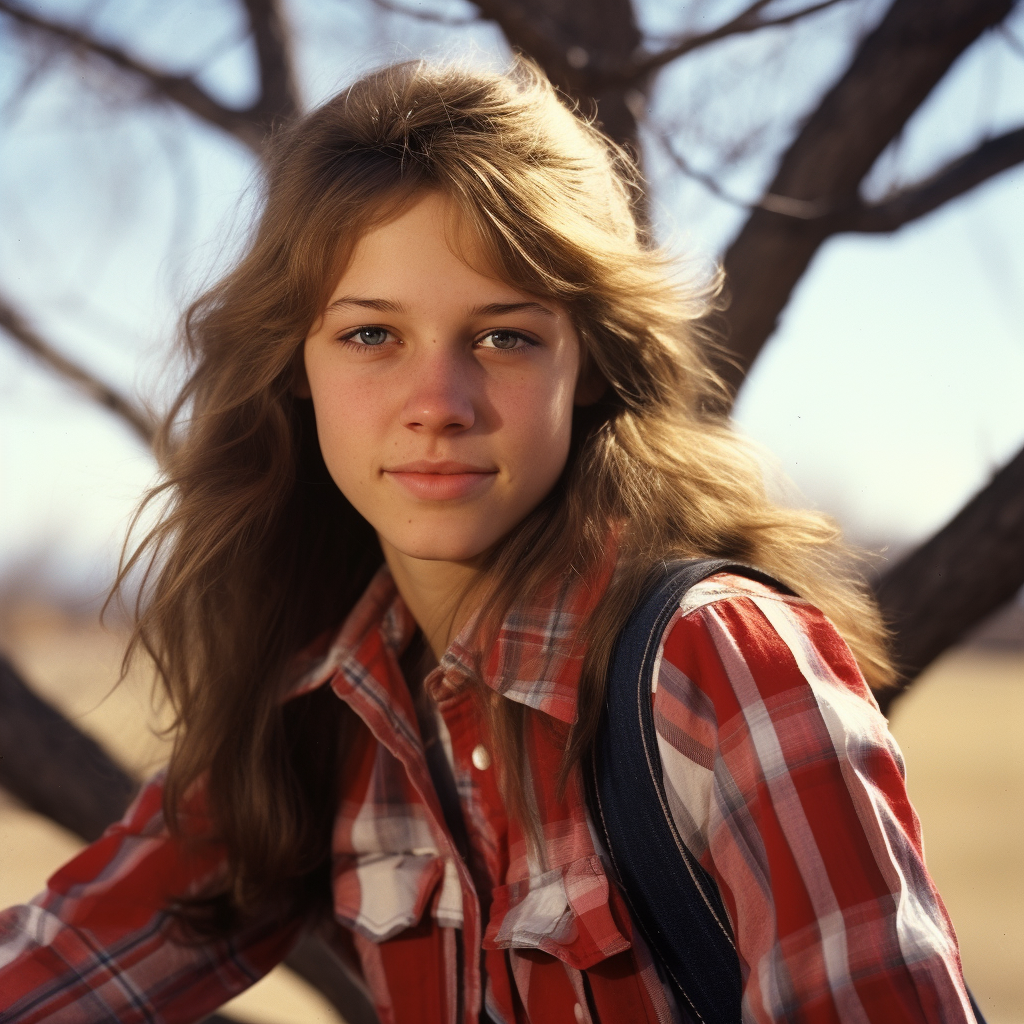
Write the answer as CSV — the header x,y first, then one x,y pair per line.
x,y
960,730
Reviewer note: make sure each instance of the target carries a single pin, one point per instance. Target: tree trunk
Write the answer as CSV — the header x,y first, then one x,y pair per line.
x,y
576,42
968,570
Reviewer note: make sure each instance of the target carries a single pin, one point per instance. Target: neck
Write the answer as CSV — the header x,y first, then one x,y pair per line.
x,y
436,594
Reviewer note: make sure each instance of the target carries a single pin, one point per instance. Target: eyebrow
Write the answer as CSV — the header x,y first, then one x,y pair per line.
x,y
491,309
501,308
381,305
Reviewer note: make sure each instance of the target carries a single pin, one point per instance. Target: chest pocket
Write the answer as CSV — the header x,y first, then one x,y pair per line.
x,y
382,894
570,912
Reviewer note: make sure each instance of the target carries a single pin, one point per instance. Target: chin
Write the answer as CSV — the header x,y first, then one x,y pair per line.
x,y
434,549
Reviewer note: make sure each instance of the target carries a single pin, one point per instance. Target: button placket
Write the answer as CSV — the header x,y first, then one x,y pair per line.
x,y
482,803
455,705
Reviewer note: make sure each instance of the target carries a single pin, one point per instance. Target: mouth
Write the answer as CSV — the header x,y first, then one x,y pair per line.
x,y
441,481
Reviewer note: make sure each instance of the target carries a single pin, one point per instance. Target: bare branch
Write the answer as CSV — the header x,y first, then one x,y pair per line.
x,y
971,567
431,16
110,398
279,92
893,71
522,33
748,20
701,177
245,125
577,44
799,209
989,159
597,73
1011,40
955,179
54,768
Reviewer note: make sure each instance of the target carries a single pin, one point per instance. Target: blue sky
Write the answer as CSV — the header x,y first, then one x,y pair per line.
x,y
889,394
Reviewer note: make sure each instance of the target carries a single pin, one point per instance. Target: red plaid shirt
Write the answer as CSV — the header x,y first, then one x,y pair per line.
x,y
782,778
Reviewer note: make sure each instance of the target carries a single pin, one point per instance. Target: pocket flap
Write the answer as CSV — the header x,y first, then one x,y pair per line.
x,y
567,912
382,894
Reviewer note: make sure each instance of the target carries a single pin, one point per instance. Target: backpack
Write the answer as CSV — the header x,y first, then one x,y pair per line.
x,y
673,900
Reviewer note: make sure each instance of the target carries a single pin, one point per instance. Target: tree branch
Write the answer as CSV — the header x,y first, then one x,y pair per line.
x,y
961,175
582,70
893,71
577,42
748,20
431,16
1011,40
52,767
245,125
701,177
110,398
958,177
279,91
522,33
784,205
970,568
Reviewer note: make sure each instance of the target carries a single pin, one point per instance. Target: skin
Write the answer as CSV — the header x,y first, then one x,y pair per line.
x,y
443,400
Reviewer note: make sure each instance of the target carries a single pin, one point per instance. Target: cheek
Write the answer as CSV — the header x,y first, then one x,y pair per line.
x,y
345,428
539,421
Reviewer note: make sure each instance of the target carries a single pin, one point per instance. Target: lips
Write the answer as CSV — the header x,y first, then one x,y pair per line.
x,y
441,481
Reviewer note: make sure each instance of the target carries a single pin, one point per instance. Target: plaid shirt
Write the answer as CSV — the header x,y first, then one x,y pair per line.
x,y
781,775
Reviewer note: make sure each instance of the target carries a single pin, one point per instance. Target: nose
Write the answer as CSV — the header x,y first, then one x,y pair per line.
x,y
440,394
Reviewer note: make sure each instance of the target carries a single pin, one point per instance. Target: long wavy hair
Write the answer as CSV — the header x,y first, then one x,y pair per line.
x,y
256,551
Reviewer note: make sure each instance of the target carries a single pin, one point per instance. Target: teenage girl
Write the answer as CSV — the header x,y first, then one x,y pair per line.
x,y
444,417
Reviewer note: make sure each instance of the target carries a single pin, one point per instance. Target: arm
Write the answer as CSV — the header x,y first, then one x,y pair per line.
x,y
99,945
784,780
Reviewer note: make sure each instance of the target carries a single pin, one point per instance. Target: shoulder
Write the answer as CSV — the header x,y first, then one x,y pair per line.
x,y
782,778
732,629
757,689
739,659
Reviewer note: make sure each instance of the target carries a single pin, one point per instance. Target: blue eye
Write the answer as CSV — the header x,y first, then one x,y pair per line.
x,y
506,341
369,337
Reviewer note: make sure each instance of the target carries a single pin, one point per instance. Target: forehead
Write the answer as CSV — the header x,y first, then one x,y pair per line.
x,y
427,244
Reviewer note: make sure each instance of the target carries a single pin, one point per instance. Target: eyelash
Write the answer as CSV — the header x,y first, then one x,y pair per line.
x,y
349,339
529,342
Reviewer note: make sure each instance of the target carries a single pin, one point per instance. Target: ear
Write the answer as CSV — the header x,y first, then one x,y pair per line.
x,y
300,380
590,385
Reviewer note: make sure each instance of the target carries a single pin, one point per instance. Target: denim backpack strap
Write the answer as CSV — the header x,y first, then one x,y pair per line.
x,y
673,900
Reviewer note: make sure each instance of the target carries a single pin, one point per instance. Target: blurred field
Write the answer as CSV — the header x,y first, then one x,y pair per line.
x,y
960,730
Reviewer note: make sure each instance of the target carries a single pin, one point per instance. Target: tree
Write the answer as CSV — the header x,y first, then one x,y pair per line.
x,y
814,177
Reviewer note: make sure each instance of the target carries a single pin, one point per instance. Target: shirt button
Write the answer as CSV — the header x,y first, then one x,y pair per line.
x,y
481,758
578,1013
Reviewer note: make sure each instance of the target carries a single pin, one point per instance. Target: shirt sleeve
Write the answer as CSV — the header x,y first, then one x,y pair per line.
x,y
785,782
99,945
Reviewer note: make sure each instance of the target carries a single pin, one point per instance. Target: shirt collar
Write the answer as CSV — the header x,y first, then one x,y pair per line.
x,y
536,658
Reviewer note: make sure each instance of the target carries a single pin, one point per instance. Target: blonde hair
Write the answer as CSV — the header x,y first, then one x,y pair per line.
x,y
257,551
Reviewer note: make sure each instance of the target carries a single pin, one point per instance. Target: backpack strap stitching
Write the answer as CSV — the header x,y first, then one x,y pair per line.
x,y
693,943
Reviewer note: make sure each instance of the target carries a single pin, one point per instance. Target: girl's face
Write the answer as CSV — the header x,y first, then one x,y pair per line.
x,y
443,396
